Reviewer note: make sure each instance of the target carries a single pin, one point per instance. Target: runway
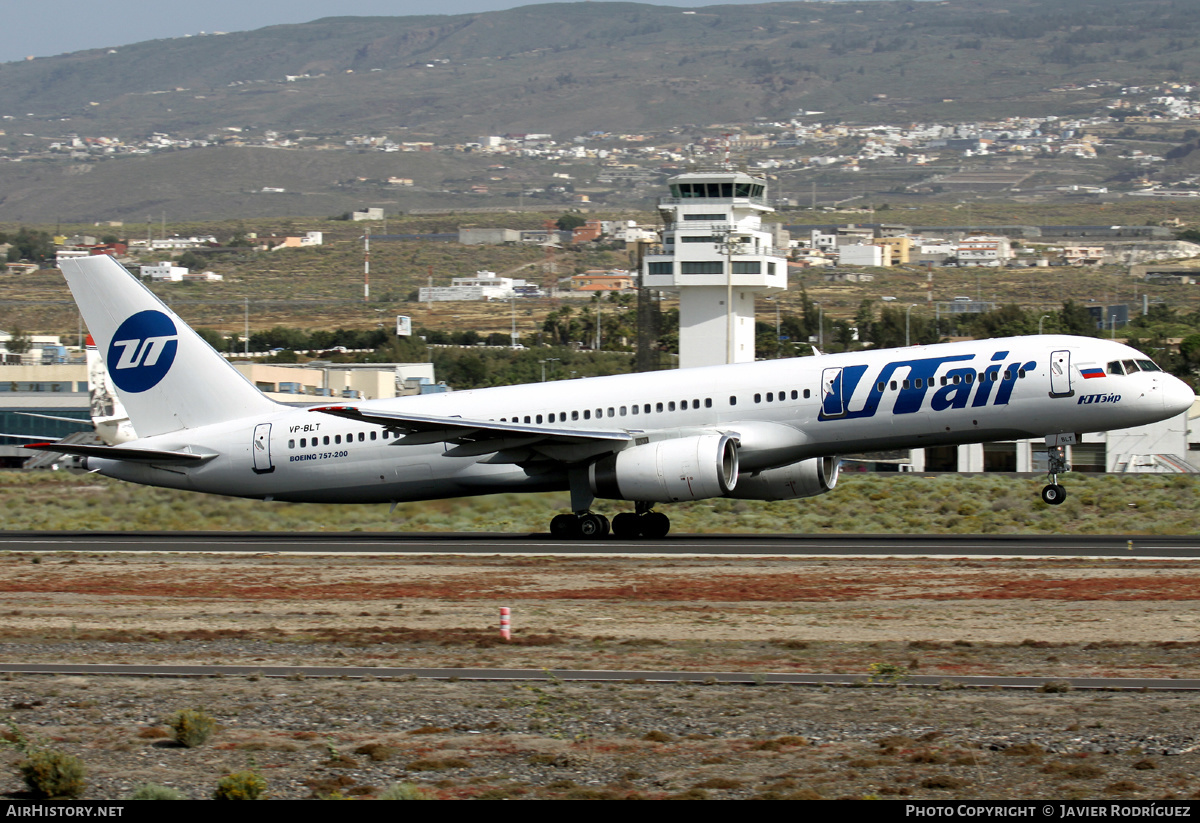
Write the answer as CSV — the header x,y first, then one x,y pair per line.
x,y
479,543
602,676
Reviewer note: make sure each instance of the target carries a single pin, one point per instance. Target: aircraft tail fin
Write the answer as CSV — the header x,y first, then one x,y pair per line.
x,y
164,373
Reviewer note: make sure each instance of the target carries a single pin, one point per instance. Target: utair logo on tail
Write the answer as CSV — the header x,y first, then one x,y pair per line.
x,y
142,351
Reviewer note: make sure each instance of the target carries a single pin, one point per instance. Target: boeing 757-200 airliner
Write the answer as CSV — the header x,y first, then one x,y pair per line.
x,y
770,430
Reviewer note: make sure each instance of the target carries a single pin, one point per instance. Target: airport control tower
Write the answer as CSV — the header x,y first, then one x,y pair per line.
x,y
716,255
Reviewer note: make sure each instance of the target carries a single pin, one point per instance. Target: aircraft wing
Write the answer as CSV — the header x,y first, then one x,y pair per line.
x,y
510,441
121,453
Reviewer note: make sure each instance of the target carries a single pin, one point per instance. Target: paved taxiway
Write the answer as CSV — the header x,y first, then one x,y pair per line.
x,y
787,545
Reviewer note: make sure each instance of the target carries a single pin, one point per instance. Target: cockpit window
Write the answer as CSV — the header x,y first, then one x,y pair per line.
x,y
1115,367
1148,365
1130,367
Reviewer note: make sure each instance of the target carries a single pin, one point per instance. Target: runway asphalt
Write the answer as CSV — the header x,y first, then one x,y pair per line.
x,y
784,545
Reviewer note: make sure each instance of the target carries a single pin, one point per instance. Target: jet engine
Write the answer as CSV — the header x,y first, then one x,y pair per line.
x,y
689,468
808,478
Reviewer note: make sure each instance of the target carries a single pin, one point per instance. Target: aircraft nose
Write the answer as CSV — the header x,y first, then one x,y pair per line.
x,y
1177,396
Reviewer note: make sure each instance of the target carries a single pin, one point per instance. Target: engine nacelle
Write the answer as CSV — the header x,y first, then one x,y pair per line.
x,y
808,478
689,468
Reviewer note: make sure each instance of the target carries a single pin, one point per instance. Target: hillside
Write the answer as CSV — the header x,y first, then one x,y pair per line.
x,y
570,68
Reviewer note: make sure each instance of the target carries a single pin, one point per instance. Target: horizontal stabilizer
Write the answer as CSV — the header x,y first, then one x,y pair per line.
x,y
121,453
76,420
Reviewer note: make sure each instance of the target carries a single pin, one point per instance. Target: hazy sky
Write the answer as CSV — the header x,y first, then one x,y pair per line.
x,y
71,25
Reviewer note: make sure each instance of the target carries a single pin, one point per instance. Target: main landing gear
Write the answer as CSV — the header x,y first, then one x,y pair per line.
x,y
1054,494
625,526
586,524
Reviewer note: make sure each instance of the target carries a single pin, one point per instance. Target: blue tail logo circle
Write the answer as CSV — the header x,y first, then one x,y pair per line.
x,y
142,351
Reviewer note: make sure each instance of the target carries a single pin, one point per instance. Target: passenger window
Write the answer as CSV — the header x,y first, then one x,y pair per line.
x,y
326,440
291,444
671,406
770,396
695,403
574,415
893,385
1021,373
795,395
587,414
538,418
527,418
658,407
623,410
646,408
374,435
732,400
551,418
708,402
611,412
758,398
337,438
970,377
905,384
807,394
880,386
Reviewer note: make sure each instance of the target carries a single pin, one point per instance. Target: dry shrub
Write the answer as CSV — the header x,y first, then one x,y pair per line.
x,y
376,751
51,773
192,727
1077,771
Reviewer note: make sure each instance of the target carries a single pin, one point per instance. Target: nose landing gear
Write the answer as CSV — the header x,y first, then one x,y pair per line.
x,y
1056,453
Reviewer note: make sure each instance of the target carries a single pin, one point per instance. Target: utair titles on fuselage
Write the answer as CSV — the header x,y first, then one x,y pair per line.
x,y
769,430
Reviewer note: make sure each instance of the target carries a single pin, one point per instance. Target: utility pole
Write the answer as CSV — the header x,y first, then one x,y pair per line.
x,y
367,265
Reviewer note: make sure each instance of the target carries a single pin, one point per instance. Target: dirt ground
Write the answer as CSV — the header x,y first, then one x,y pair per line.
x,y
458,739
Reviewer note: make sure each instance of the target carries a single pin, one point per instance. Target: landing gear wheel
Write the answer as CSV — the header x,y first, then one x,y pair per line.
x,y
655,525
593,525
627,526
564,526
1054,494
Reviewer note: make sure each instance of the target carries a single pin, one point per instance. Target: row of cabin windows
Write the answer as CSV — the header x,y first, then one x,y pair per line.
x,y
611,411
647,408
336,439
969,377
783,395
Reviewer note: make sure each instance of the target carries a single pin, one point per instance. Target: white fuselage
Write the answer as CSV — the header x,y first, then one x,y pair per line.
x,y
782,411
